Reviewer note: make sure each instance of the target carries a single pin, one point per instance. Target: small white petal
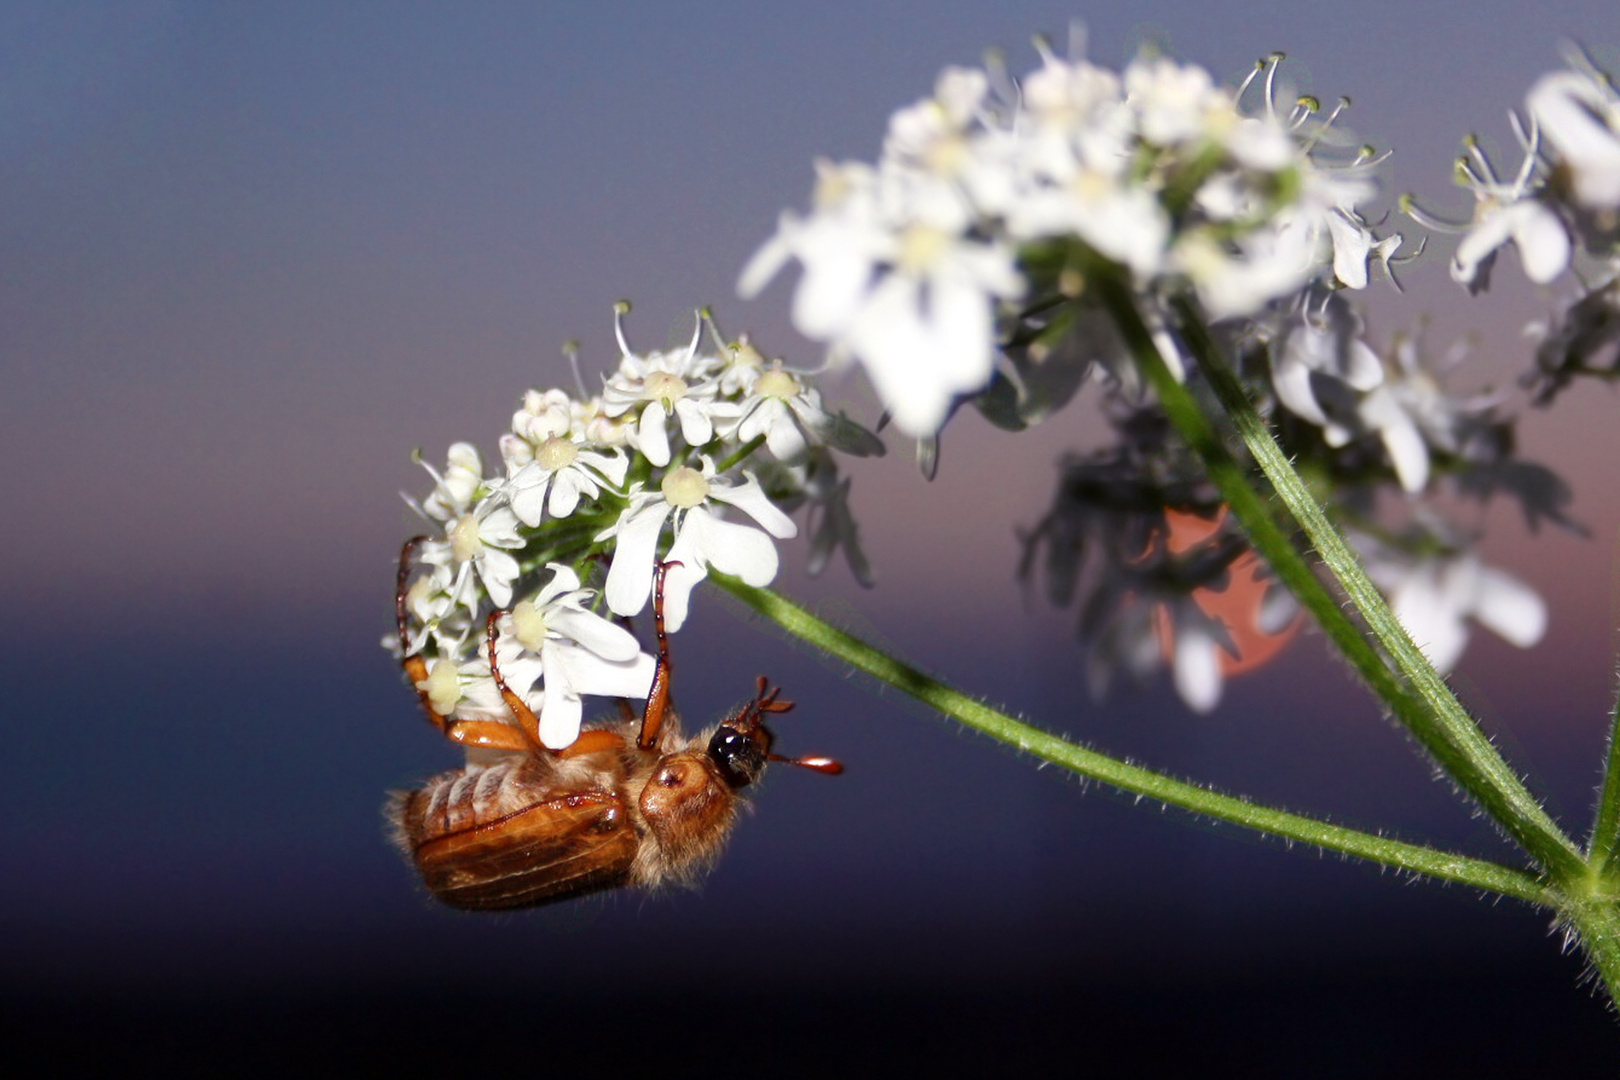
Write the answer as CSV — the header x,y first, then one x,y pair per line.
x,y
527,494
1510,608
697,427
1542,240
785,441
613,465
629,578
1430,618
1292,380
560,715
499,527
1401,438
729,546
680,580
651,437
595,634
1197,668
563,580
498,571
1476,251
751,499
1362,368
1351,245
565,492
593,675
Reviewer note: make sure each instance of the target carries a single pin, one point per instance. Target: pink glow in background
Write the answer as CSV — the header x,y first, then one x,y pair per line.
x,y
250,256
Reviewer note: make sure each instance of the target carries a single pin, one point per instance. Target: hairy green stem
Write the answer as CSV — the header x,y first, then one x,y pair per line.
x,y
1414,858
1595,921
1605,843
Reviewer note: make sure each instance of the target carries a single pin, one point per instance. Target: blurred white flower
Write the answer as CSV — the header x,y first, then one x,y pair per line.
x,y
1176,103
1435,597
837,246
1324,371
1241,277
893,278
1578,112
1529,225
911,265
1319,362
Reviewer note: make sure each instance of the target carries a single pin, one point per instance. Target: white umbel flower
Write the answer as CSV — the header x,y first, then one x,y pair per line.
x,y
694,499
679,385
456,489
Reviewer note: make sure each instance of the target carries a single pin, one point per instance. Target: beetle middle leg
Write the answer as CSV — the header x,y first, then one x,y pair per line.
x,y
589,741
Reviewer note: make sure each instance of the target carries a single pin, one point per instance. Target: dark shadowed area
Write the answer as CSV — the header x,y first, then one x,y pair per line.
x,y
252,255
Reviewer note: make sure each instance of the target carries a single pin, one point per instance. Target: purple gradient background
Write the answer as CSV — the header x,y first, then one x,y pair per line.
x,y
253,254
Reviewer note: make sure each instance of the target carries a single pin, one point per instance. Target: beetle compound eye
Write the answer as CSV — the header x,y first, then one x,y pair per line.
x,y
739,756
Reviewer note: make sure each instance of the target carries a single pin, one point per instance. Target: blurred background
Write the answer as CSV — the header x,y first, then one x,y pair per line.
x,y
252,255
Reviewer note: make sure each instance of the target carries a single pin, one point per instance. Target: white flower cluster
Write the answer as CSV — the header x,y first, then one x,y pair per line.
x,y
692,457
1386,412
1561,212
991,192
987,257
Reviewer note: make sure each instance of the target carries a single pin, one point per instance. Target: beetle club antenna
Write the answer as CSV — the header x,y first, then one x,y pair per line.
x,y
753,717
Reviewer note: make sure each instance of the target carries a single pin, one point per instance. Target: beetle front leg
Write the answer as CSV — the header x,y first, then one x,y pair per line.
x,y
652,717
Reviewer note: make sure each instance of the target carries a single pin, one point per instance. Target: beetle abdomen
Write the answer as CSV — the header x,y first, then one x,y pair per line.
x,y
506,835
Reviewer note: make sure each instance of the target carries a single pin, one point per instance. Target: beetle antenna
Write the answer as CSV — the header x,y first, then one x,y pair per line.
x,y
753,716
825,765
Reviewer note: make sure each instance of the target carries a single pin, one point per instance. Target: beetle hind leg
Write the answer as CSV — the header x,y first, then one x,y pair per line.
x,y
486,733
